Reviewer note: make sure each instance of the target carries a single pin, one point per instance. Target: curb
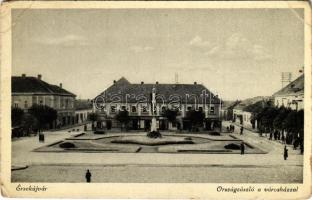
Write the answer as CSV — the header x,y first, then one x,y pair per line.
x,y
21,167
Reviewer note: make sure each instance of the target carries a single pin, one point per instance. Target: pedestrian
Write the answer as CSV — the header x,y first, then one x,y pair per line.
x,y
233,128
88,176
270,136
285,153
228,129
241,130
242,148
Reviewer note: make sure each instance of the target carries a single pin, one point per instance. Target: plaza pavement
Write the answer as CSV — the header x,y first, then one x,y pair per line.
x,y
137,167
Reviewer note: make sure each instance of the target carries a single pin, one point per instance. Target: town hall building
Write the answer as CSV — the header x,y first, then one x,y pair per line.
x,y
136,99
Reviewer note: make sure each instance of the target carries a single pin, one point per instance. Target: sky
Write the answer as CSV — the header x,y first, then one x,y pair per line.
x,y
236,54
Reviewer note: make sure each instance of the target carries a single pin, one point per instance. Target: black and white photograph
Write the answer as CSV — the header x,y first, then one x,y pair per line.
x,y
147,94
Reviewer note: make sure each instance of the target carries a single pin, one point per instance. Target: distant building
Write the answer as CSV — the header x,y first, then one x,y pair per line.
x,y
292,95
135,98
83,108
243,117
27,91
227,109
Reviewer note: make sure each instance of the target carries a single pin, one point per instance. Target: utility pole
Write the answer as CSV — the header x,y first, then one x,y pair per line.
x,y
176,78
285,78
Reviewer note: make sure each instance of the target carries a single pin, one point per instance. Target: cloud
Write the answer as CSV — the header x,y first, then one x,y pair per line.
x,y
140,49
66,40
239,47
197,41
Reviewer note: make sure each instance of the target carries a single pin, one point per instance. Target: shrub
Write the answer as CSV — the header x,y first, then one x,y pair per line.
x,y
154,134
214,133
67,145
232,146
99,132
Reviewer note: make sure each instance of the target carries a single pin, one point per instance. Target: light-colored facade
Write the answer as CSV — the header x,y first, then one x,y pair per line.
x,y
292,95
27,91
294,102
184,98
243,118
83,108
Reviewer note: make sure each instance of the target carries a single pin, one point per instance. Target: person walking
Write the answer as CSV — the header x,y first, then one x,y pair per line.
x,y
241,130
242,148
88,176
285,153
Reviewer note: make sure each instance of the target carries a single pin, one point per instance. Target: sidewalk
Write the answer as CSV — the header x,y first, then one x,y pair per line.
x,y
264,142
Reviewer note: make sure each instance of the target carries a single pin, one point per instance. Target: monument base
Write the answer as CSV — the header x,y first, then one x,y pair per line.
x,y
154,134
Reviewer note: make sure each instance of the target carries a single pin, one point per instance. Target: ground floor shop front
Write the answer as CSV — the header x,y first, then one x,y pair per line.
x,y
162,123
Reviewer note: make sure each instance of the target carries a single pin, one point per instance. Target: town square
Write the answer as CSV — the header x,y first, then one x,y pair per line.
x,y
158,96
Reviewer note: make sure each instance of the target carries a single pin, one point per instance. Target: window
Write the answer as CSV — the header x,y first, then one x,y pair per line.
x,y
200,109
123,107
40,102
144,109
25,104
189,108
212,110
15,105
163,109
133,109
113,109
66,103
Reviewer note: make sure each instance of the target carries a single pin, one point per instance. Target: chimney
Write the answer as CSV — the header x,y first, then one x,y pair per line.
x,y
114,82
142,82
195,83
61,85
39,76
23,75
156,82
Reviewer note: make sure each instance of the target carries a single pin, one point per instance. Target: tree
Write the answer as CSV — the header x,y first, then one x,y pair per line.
x,y
280,117
29,123
171,115
300,122
257,111
123,117
268,117
93,117
44,114
196,118
16,116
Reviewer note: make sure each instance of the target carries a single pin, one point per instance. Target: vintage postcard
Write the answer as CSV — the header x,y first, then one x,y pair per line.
x,y
156,99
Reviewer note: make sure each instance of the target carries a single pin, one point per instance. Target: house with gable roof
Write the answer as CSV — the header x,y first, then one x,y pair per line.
x,y
292,95
136,99
28,90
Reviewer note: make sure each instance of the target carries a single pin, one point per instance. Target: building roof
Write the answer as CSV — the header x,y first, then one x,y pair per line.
x,y
83,104
294,88
243,104
229,104
122,89
33,85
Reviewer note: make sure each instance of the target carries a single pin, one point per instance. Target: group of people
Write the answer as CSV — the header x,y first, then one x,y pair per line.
x,y
277,136
230,128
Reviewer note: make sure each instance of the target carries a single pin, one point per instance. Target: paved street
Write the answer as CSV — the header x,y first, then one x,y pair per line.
x,y
156,167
